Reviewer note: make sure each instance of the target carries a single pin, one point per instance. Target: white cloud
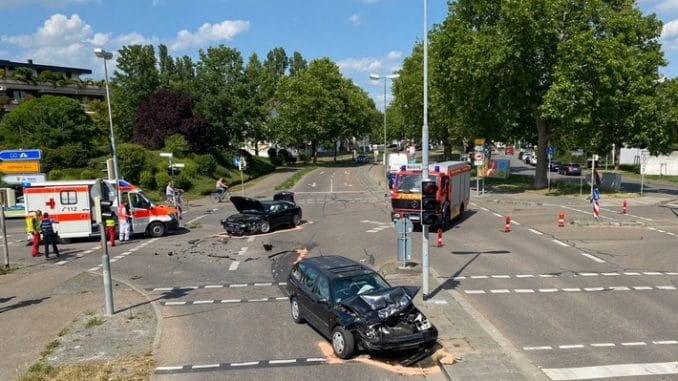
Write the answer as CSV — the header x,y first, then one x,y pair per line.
x,y
667,6
391,62
354,19
207,33
669,37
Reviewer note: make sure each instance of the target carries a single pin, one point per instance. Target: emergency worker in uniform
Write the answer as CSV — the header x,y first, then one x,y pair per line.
x,y
124,218
33,228
110,228
49,235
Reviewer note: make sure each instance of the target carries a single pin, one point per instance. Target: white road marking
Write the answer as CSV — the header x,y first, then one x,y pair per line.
x,y
498,215
652,273
263,284
610,274
500,291
590,289
163,289
485,209
603,345
572,346
619,288
169,368
543,348
196,219
501,276
479,277
459,278
641,288
666,287
537,232
523,290
175,303
631,273
592,257
560,243
587,274
94,268
206,366
548,290
474,291
547,276
575,289
290,361
214,286
204,302
315,359
234,266
250,363
634,344
524,276
665,342
516,222
230,301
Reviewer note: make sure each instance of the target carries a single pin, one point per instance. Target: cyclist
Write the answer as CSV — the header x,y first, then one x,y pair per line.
x,y
220,188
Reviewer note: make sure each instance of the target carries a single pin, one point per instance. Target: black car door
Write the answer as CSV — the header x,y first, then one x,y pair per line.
x,y
278,216
321,305
306,296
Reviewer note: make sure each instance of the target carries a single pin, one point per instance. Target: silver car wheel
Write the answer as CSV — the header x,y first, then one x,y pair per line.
x,y
338,342
295,309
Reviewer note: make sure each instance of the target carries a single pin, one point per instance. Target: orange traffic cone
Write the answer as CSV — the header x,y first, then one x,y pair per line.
x,y
507,226
624,207
561,219
440,237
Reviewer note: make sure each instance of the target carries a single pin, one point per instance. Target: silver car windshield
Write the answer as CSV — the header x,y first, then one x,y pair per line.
x,y
345,288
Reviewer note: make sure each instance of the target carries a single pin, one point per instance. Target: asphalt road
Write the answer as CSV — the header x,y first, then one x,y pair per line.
x,y
581,300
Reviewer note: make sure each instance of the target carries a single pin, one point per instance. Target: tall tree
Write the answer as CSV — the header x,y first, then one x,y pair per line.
x,y
218,75
276,62
167,68
252,98
134,81
56,125
297,63
571,72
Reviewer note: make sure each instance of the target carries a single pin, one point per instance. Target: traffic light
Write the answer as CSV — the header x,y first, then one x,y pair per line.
x,y
429,191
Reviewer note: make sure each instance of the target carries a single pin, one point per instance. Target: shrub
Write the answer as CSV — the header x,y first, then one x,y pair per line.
x,y
176,144
161,179
206,164
273,156
131,161
219,156
284,156
303,156
147,180
183,181
89,173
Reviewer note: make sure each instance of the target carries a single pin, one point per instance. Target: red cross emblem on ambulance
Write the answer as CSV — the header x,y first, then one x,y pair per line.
x,y
50,203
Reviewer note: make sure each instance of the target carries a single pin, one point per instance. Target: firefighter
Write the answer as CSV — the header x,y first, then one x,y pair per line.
x,y
33,228
110,228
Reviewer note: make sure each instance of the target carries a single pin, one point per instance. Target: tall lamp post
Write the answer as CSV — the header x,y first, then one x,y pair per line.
x,y
376,77
100,53
424,160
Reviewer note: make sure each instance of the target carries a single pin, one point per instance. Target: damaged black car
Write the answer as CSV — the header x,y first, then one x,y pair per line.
x,y
356,308
255,216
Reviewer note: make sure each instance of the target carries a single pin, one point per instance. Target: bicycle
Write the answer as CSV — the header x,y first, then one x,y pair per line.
x,y
178,200
220,196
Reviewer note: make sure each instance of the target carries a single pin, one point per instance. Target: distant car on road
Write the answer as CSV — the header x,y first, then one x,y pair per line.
x,y
355,307
570,169
360,159
257,216
554,166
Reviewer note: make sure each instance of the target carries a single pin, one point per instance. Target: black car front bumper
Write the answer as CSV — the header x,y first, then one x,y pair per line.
x,y
397,343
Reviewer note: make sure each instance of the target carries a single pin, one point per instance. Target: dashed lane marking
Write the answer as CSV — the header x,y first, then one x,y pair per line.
x,y
234,266
601,345
130,251
277,363
592,257
223,301
567,275
537,232
571,290
560,243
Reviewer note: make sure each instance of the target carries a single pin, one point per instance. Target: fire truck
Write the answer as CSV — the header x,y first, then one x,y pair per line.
x,y
436,202
71,204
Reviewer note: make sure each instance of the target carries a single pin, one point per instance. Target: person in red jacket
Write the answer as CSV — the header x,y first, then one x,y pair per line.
x,y
33,228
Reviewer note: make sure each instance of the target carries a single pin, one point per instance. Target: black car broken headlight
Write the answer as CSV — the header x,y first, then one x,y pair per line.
x,y
371,333
423,322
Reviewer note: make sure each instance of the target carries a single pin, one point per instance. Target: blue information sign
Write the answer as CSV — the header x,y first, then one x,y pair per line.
x,y
21,155
550,151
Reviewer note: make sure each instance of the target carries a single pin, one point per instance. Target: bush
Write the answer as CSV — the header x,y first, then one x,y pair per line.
x,y
184,182
161,179
219,156
303,156
131,161
147,180
284,156
273,156
177,145
206,164
89,174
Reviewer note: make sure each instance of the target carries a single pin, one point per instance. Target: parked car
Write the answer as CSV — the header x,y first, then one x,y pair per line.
x,y
360,159
527,157
570,169
554,166
255,216
533,159
354,307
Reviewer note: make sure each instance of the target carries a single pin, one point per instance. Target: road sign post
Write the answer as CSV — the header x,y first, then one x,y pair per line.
x,y
549,152
21,155
403,228
9,167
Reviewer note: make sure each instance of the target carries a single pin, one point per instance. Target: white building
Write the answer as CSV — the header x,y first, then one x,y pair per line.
x,y
664,165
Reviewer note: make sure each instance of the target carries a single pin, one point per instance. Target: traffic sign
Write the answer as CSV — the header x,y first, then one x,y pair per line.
x,y
21,155
550,151
24,178
478,158
20,166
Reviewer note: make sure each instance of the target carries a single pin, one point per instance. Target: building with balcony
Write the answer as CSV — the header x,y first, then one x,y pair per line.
x,y
22,80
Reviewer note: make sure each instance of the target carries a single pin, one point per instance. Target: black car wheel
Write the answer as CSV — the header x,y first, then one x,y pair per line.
x,y
296,220
265,227
342,342
295,311
156,229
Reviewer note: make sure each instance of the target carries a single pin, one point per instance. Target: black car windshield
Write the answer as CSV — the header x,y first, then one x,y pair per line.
x,y
345,288
408,183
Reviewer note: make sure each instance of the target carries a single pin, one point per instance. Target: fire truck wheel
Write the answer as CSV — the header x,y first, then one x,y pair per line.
x,y
156,229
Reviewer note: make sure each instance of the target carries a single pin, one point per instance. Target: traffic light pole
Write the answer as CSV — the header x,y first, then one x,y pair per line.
x,y
424,160
105,259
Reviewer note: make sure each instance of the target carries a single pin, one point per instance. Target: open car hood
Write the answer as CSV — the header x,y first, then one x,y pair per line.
x,y
382,304
247,204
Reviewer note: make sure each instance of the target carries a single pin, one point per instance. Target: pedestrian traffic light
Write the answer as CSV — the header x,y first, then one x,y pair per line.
x,y
429,217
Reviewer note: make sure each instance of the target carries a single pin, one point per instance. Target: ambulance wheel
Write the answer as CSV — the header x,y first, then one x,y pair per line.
x,y
156,229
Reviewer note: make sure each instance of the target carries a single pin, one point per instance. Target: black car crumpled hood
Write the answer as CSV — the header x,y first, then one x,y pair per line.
x,y
243,218
381,304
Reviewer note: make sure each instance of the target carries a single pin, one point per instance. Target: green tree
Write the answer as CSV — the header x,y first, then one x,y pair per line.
x,y
252,99
297,64
56,125
131,162
575,73
276,62
134,81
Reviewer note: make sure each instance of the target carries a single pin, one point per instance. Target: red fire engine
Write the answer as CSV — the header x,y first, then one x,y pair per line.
x,y
436,202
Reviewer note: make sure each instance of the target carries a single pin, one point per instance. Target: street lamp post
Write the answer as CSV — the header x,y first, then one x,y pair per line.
x,y
424,161
376,77
100,53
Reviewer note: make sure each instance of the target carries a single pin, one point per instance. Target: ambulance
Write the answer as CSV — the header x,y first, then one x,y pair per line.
x,y
71,204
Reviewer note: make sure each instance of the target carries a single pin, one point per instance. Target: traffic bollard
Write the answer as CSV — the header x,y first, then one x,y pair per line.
x,y
624,209
561,219
507,226
440,237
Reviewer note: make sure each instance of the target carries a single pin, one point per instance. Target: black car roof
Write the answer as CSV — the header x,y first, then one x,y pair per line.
x,y
335,266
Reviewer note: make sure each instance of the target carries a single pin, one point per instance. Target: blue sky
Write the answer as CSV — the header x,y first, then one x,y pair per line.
x,y
361,36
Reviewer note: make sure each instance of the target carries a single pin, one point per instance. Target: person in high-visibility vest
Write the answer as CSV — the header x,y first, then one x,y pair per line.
x,y
33,228
110,228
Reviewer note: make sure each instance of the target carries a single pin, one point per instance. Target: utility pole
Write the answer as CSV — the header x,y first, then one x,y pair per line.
x,y
424,160
103,207
5,248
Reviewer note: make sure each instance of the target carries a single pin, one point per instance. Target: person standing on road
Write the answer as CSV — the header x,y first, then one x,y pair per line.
x,y
49,235
33,228
110,228
221,188
124,219
169,193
